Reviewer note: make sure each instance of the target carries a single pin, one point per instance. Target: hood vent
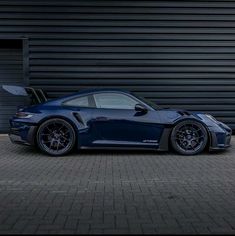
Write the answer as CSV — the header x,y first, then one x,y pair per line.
x,y
184,113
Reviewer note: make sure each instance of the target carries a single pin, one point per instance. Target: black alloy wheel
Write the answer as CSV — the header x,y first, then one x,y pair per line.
x,y
56,137
189,137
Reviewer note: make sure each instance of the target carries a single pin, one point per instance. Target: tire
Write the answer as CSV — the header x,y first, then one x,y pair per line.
x,y
189,137
56,137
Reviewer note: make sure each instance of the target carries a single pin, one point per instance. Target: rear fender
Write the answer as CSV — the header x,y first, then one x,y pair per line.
x,y
60,117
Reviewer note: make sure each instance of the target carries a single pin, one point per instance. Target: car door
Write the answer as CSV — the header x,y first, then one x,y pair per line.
x,y
118,123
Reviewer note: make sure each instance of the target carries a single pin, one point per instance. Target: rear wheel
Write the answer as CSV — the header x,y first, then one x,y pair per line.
x,y
189,137
56,137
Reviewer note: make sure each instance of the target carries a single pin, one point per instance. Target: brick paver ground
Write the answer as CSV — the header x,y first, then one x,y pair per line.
x,y
116,192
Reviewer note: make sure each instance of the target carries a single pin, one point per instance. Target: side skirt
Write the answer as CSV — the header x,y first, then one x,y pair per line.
x,y
118,148
124,145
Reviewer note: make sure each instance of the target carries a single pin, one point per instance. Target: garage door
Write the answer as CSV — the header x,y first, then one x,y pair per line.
x,y
11,72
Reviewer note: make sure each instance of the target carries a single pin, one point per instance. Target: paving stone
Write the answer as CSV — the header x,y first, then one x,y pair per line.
x,y
116,192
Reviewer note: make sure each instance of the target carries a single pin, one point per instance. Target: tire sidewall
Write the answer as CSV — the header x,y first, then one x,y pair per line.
x,y
189,121
44,124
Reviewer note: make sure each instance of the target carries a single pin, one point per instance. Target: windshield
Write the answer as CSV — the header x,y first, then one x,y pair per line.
x,y
148,102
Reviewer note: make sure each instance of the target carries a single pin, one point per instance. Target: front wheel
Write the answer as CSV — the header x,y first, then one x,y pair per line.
x,y
189,137
56,137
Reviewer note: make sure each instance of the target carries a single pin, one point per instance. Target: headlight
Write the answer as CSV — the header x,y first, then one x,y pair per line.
x,y
23,115
211,118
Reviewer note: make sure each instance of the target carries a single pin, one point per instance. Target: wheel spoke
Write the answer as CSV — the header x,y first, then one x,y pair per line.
x,y
58,143
66,139
61,127
46,141
48,129
51,144
62,144
67,131
193,147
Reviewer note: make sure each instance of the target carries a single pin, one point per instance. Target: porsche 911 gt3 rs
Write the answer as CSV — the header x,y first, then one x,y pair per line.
x,y
111,118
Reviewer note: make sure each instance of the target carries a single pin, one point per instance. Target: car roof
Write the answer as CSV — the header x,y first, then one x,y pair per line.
x,y
86,91
95,90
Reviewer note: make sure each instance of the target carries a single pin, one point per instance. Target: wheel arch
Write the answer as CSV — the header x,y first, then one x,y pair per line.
x,y
190,118
54,117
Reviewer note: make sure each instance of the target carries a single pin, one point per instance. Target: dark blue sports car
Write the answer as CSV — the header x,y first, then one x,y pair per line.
x,y
111,118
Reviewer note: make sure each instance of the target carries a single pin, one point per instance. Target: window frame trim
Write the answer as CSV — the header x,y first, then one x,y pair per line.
x,y
91,95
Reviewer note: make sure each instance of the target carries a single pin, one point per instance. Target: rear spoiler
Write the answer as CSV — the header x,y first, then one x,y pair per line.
x,y
36,95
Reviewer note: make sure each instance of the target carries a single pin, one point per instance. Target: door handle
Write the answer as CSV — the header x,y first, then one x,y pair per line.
x,y
101,118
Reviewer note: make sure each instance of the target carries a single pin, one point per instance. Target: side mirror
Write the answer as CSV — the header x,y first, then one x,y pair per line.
x,y
141,108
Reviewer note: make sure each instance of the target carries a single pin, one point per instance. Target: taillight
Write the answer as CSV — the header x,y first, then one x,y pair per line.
x,y
24,115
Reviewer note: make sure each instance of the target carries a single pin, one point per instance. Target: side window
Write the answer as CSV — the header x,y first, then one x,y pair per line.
x,y
78,102
114,101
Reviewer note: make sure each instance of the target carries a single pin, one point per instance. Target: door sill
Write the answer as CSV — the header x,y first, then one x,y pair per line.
x,y
113,144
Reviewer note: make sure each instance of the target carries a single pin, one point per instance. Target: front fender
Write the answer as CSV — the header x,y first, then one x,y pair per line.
x,y
165,138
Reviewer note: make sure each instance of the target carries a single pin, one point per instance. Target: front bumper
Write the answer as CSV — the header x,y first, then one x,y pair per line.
x,y
22,133
220,137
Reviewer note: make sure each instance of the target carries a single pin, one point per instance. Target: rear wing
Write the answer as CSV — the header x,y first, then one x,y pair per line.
x,y
36,95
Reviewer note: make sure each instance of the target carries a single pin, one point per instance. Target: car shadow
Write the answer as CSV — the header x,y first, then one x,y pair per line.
x,y
28,150
146,152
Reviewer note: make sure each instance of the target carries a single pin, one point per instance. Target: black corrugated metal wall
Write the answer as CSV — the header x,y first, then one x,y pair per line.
x,y
176,53
11,72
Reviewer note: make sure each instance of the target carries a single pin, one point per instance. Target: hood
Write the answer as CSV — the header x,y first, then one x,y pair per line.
x,y
172,115
168,114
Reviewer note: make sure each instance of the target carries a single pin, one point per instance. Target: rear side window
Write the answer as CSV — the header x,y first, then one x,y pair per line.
x,y
79,102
